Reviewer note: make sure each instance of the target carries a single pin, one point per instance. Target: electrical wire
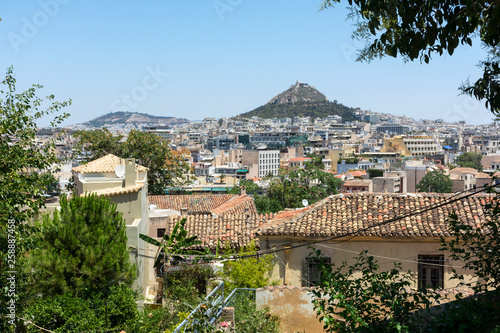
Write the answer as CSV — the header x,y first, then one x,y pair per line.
x,y
353,234
29,322
389,258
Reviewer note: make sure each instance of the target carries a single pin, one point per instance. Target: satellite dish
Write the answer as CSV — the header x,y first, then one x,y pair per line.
x,y
305,203
120,171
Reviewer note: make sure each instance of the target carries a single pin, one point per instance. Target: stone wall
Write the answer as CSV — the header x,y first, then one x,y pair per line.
x,y
294,307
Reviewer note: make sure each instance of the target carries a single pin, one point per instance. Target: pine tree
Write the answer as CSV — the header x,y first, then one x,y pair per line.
x,y
83,249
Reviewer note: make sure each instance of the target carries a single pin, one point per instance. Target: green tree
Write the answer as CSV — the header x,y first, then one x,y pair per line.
x,y
166,169
24,170
436,182
83,249
251,272
96,313
173,246
477,247
470,160
416,30
98,143
250,186
375,173
373,301
291,187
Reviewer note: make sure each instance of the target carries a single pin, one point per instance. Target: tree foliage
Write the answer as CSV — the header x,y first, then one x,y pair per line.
x,y
418,30
174,245
436,182
375,173
250,186
478,246
303,109
470,160
291,187
251,272
372,302
83,249
24,175
166,168
66,313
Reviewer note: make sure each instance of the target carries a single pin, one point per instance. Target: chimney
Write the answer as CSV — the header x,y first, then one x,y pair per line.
x,y
129,172
184,211
243,190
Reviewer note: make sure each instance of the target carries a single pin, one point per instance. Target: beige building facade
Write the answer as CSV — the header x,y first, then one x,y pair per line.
x,y
125,184
342,226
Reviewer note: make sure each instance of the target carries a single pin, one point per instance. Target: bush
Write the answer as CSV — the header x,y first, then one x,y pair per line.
x,y
249,319
188,286
65,313
252,272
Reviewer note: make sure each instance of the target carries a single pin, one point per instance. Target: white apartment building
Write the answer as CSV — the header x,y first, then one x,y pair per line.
x,y
421,145
260,163
269,162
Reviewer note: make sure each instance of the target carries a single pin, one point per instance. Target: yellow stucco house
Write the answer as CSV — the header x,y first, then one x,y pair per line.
x,y
124,183
412,241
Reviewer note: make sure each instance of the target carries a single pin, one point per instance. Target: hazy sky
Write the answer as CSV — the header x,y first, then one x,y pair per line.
x,y
216,58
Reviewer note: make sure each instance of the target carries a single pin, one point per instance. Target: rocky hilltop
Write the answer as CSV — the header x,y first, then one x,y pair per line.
x,y
301,100
299,93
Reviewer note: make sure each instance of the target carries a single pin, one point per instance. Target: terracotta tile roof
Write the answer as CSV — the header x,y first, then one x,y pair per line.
x,y
358,173
196,204
341,214
117,191
240,205
105,164
357,182
238,230
298,159
482,175
464,170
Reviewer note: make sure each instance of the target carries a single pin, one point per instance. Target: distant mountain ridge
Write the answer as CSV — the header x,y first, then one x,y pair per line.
x,y
301,100
133,118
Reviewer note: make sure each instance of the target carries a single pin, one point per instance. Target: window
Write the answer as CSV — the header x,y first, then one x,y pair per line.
x,y
430,271
160,232
311,272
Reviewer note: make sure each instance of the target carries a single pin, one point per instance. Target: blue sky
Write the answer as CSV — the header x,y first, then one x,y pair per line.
x,y
216,58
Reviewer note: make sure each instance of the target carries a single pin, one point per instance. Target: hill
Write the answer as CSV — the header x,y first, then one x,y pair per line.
x,y
301,100
134,118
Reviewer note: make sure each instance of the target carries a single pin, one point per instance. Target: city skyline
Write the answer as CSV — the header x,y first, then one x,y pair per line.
x,y
217,59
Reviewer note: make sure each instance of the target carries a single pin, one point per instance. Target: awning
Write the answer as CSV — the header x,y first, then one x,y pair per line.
x,y
241,171
447,147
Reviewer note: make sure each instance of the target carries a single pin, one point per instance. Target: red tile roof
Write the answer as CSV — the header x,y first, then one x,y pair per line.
x,y
195,204
211,204
105,164
464,170
342,214
237,230
240,205
358,173
298,159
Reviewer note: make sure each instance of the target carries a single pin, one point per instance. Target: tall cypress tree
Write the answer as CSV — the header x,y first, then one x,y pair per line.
x,y
83,249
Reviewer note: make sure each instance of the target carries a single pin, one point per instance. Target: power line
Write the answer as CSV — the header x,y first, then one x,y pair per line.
x,y
353,234
29,322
